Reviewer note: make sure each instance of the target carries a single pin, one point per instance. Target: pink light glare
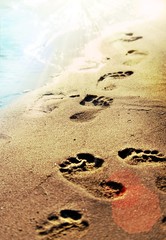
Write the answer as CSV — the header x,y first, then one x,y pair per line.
x,y
138,209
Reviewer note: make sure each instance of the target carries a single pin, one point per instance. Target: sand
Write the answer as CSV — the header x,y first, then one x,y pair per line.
x,y
84,157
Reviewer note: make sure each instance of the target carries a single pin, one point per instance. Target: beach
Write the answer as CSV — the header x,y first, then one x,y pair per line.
x,y
84,157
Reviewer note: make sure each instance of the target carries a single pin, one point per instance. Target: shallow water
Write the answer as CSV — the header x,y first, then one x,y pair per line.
x,y
17,70
38,39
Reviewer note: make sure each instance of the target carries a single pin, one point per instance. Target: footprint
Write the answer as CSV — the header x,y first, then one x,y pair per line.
x,y
83,162
75,168
94,100
134,57
116,75
161,183
74,96
62,225
83,116
136,52
134,156
46,103
130,38
4,137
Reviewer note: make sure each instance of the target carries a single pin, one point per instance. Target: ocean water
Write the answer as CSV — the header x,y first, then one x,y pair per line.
x,y
35,45
39,38
17,70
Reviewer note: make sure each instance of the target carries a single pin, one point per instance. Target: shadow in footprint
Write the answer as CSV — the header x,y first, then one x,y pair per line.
x,y
61,225
163,223
94,100
161,183
84,116
136,52
112,189
134,156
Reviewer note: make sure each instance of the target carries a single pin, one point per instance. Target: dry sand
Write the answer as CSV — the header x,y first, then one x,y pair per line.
x,y
84,157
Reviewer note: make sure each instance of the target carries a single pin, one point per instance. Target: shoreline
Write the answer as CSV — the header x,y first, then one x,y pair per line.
x,y
87,151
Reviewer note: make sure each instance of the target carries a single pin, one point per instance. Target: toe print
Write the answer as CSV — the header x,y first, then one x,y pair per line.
x,y
61,225
136,52
134,156
134,57
116,75
94,100
130,37
83,162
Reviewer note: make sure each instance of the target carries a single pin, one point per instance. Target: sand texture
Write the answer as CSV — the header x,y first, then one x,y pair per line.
x,y
84,157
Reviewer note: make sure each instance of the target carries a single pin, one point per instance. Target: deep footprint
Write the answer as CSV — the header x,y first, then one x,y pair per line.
x,y
61,225
161,183
94,100
116,75
111,189
134,156
74,167
83,162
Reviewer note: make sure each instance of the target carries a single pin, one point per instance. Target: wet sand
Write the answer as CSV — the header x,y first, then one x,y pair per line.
x,y
84,157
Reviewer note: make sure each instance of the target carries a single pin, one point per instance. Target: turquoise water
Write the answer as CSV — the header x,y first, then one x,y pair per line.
x,y
17,70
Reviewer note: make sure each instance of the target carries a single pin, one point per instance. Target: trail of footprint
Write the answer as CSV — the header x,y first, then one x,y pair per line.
x,y
125,191
134,156
62,225
123,188
116,75
130,37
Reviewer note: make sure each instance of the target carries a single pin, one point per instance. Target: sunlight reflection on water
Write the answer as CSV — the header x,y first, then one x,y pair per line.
x,y
16,69
39,38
